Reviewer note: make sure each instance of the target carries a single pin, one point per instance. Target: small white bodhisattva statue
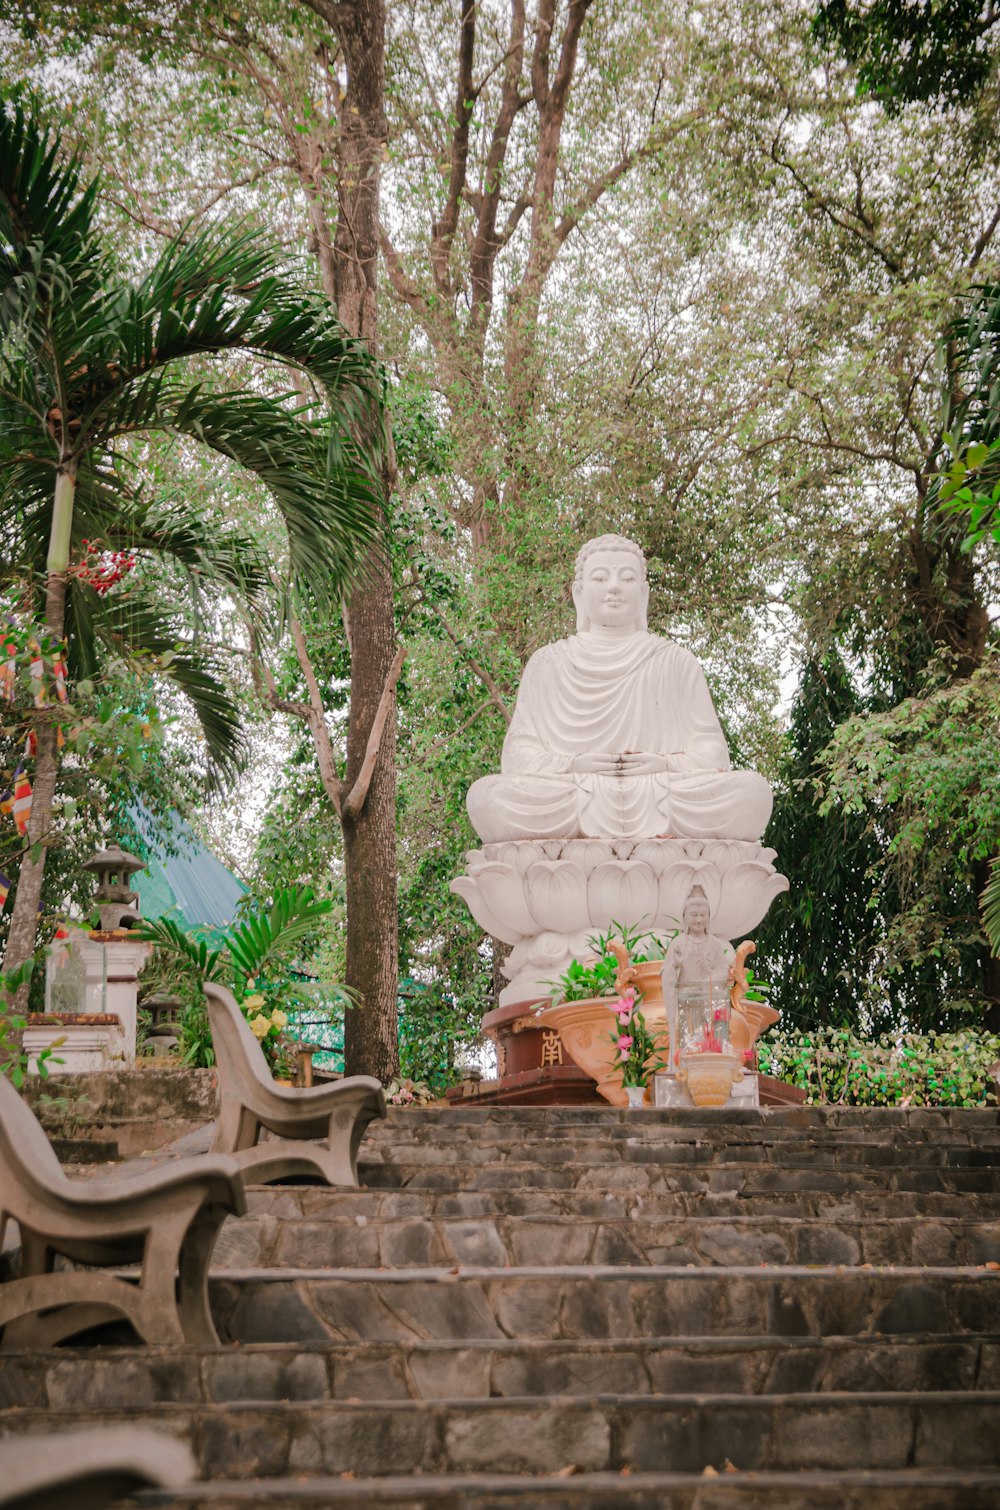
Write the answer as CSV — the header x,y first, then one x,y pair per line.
x,y
694,957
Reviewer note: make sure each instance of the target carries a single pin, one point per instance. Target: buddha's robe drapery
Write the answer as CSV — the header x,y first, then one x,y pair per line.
x,y
639,693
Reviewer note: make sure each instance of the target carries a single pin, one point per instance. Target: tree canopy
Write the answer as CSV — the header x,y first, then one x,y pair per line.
x,y
670,272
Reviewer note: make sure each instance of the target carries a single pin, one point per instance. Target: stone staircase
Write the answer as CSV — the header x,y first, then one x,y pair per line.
x,y
582,1308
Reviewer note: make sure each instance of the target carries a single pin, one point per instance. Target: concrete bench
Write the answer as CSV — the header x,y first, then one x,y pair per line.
x,y
163,1220
252,1104
86,1470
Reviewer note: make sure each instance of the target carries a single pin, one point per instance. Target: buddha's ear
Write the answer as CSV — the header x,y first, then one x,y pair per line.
x,y
644,606
581,617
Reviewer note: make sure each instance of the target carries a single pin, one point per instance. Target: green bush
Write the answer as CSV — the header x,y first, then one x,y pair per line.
x,y
933,1069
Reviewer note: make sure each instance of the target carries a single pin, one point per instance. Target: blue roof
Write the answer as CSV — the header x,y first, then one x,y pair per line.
x,y
185,880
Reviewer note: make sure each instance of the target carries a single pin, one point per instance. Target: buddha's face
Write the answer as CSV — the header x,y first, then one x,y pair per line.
x,y
697,916
613,591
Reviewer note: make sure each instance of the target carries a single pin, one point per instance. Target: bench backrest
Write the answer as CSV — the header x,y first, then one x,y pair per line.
x,y
27,1161
237,1052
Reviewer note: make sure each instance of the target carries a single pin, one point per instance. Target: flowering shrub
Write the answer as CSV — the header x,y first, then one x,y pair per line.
x,y
635,1050
408,1093
933,1069
268,1027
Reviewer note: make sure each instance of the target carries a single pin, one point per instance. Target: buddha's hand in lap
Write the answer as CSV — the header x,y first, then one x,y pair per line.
x,y
622,763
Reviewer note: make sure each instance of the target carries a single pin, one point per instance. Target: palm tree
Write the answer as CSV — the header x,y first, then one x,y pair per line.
x,y
91,362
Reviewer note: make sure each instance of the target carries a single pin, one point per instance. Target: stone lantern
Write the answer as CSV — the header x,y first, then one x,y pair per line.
x,y
117,902
91,985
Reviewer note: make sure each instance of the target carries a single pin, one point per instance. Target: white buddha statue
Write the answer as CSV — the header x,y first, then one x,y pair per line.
x,y
614,734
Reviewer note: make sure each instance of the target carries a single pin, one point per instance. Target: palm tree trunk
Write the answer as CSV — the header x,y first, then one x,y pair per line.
x,y
27,902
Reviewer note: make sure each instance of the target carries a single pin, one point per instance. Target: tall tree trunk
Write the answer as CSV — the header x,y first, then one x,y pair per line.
x,y
28,900
370,1040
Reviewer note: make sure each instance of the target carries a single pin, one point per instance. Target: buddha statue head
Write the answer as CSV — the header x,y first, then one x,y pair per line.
x,y
609,587
697,914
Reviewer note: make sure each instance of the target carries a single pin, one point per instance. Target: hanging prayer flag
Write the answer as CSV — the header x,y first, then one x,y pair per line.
x,y
37,674
4,889
31,745
8,669
7,803
21,806
59,674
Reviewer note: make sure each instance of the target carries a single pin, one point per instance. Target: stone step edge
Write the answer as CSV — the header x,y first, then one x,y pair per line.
x,y
622,1273
770,1342
425,1487
686,1401
824,1112
712,1219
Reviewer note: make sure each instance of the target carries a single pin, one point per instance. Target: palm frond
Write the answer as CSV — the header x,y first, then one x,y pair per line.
x,y
263,941
331,509
126,626
990,903
165,934
41,203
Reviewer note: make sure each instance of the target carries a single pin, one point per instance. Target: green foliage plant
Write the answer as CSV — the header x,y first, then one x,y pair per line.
x,y
405,1092
932,763
252,959
597,975
912,51
13,1059
836,1065
990,900
90,362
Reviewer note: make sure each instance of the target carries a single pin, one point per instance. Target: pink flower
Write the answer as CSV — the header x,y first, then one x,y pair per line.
x,y
624,1011
625,1042
629,993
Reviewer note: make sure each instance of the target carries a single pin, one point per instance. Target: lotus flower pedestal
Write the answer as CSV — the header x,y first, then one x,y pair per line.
x,y
547,898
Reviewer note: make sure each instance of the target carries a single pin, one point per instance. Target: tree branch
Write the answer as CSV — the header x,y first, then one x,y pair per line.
x,y
311,714
402,285
332,784
446,739
443,230
335,15
359,791
485,244
496,696
984,240
598,186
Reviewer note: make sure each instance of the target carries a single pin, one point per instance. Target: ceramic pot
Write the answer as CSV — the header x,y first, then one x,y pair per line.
x,y
585,1029
709,1077
747,1022
635,1094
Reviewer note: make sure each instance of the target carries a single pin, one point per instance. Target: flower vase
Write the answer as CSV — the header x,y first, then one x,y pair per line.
x,y
636,1095
709,1077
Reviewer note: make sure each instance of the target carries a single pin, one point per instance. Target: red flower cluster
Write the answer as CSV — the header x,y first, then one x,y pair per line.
x,y
101,569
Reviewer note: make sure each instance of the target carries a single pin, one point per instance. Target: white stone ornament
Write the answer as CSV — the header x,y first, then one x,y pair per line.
x,y
615,795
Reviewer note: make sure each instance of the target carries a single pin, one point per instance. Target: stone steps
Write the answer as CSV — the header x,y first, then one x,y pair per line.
x,y
660,1175
915,1488
315,1305
586,1308
317,1204
354,1242
127,1378
596,1434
